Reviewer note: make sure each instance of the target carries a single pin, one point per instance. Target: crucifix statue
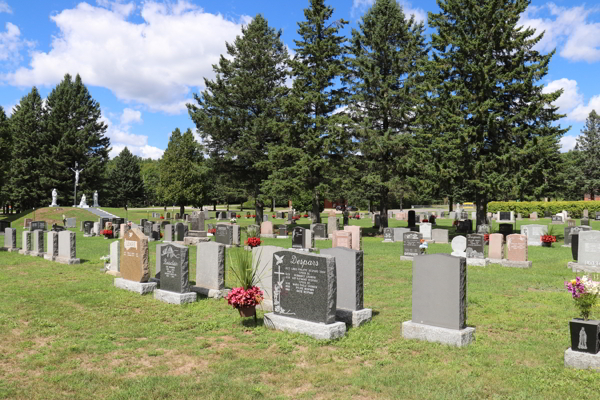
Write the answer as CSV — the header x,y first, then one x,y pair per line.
x,y
77,171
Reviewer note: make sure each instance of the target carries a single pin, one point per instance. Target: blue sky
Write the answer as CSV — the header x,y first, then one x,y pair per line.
x,y
143,60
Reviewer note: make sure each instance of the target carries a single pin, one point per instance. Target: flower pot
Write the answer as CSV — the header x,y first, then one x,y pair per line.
x,y
546,244
247,311
585,335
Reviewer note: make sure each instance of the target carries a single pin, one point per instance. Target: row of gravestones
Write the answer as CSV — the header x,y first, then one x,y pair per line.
x,y
61,246
425,229
350,237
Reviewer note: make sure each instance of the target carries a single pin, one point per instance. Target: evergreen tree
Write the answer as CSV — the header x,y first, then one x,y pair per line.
x,y
588,143
239,111
74,133
315,140
572,180
5,156
27,169
385,77
486,100
150,172
182,171
126,180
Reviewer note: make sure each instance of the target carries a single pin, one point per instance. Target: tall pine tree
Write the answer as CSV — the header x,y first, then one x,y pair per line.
x,y
240,110
6,156
182,171
588,143
27,169
74,132
315,140
127,181
385,77
486,97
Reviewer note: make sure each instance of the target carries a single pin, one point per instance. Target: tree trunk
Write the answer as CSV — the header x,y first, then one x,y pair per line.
x,y
272,205
316,218
258,207
383,209
181,210
215,206
450,201
481,204
370,205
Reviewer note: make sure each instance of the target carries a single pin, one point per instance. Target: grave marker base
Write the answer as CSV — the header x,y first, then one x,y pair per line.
x,y
174,298
212,293
478,262
582,267
315,330
24,252
282,237
137,287
49,257
116,274
67,261
36,254
581,360
516,264
192,241
354,318
386,241
435,334
406,258
9,249
268,235
495,260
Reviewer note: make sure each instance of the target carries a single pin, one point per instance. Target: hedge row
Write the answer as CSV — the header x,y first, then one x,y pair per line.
x,y
575,208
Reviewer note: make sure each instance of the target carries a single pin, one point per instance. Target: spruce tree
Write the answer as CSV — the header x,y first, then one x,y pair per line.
x,y
126,180
487,104
385,77
27,169
239,111
315,139
182,171
5,156
74,132
588,143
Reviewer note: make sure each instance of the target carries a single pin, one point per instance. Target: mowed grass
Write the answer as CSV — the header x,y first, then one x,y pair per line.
x,y
67,333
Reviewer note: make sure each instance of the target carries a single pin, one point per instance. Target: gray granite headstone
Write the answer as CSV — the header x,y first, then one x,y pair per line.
x,y
282,230
475,246
399,234
115,256
66,245
320,231
169,233
174,267
210,265
224,234
262,256
412,241
349,272
573,230
26,242
88,226
534,233
52,245
304,286
156,231
71,222
148,228
181,231
388,234
439,235
589,248
439,291
10,238
37,243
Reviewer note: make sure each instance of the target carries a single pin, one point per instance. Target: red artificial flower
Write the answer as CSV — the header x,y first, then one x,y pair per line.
x,y
548,238
425,220
161,217
239,216
213,230
253,242
238,297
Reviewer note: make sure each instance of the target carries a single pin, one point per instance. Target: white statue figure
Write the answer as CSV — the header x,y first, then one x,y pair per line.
x,y
77,171
54,198
83,203
96,199
582,339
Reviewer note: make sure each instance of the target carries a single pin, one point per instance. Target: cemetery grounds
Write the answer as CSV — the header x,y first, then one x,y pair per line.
x,y
67,333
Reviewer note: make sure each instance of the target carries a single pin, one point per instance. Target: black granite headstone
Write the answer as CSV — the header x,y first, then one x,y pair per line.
x,y
174,268
547,214
585,336
504,215
3,225
575,245
411,218
388,234
505,229
37,226
298,237
475,246
432,219
412,243
282,230
557,218
304,286
87,227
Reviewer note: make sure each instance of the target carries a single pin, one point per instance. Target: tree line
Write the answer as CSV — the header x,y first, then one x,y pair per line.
x,y
382,116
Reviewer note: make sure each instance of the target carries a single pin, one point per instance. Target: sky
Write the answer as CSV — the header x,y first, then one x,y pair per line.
x,y
144,60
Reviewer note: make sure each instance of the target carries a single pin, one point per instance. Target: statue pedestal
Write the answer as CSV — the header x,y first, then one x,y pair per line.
x,y
53,205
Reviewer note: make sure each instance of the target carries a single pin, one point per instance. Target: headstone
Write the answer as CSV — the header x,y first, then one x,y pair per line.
x,y
67,248
177,216
26,245
169,233
304,286
298,238
356,236
148,229
283,231
439,235
574,245
377,221
3,225
39,225
464,226
533,216
452,215
96,228
475,246
412,243
534,233
432,219
174,267
115,256
506,216
411,218
156,231
88,227
425,229
27,222
505,229
266,228
320,231
265,217
224,234
181,231
134,256
331,225
585,221
71,223
483,229
586,213
10,239
459,245
573,230
168,215
52,246
37,243
589,248
210,265
263,258
571,222
516,247
439,291
198,222
388,235
557,219
496,247
342,239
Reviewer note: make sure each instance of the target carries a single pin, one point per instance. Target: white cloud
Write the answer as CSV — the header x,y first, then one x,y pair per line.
x,y
121,137
11,43
571,102
363,5
568,143
566,27
155,63
5,8
130,116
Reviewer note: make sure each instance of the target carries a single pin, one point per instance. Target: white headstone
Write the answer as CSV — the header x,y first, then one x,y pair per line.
x,y
459,245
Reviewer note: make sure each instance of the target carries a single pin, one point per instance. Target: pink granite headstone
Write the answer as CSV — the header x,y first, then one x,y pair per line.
x,y
342,239
516,247
266,228
533,215
496,248
356,236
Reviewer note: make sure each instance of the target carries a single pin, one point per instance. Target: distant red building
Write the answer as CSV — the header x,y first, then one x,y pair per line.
x,y
588,197
335,203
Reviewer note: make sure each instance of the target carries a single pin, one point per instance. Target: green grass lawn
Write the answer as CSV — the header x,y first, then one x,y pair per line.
x,y
67,333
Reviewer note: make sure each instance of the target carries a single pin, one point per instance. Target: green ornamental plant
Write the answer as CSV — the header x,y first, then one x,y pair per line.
x,y
245,269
